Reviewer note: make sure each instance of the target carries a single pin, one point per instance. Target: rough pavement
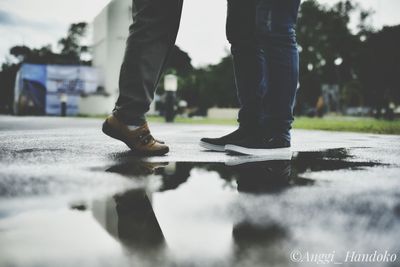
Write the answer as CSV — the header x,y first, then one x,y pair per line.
x,y
71,196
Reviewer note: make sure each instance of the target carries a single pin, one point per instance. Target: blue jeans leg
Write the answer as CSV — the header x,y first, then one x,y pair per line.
x,y
276,38
265,56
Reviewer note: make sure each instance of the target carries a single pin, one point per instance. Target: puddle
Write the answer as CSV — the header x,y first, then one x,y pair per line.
x,y
252,174
212,214
246,212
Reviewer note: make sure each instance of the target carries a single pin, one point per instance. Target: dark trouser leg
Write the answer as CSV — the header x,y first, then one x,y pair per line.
x,y
276,21
152,35
240,29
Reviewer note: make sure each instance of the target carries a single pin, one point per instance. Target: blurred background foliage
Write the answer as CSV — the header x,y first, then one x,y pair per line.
x,y
363,61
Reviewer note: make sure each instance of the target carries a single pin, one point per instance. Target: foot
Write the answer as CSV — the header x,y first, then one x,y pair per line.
x,y
274,148
139,140
218,144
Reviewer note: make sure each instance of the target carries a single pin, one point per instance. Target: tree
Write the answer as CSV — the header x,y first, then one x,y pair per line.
x,y
324,38
329,49
71,45
180,62
71,49
379,68
71,53
211,86
7,81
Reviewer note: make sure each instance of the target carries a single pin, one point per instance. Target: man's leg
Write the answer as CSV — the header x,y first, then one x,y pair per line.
x,y
275,37
240,30
281,61
152,36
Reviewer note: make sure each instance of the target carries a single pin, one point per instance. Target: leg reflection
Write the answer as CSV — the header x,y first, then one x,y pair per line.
x,y
256,235
138,227
130,219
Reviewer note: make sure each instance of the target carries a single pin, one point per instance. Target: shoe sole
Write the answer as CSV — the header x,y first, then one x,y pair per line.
x,y
111,132
212,147
273,153
244,159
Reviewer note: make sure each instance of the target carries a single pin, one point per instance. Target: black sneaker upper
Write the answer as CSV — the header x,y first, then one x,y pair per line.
x,y
255,141
235,136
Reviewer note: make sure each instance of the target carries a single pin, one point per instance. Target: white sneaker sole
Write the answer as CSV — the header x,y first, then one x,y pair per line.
x,y
212,147
273,153
239,160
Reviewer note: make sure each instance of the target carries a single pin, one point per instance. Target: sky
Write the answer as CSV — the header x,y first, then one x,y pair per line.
x,y
202,33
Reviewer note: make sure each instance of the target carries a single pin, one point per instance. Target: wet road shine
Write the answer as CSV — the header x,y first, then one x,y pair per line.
x,y
70,196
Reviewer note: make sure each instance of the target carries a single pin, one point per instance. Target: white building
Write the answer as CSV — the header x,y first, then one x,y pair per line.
x,y
110,31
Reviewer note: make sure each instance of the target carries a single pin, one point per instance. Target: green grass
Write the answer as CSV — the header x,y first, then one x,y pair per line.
x,y
349,124
199,120
346,124
337,123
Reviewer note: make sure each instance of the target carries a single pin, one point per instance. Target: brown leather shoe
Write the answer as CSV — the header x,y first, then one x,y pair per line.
x,y
139,140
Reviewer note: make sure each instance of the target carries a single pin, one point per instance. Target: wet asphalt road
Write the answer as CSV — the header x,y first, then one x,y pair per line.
x,y
70,196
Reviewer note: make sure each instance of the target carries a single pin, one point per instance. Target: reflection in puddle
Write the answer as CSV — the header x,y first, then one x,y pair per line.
x,y
129,218
198,213
245,212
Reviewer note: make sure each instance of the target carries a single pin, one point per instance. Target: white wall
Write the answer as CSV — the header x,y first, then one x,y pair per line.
x,y
110,30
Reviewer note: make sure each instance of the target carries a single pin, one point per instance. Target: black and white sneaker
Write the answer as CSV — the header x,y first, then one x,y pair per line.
x,y
274,148
218,144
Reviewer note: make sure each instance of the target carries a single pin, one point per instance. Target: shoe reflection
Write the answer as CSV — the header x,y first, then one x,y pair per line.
x,y
263,177
130,217
135,168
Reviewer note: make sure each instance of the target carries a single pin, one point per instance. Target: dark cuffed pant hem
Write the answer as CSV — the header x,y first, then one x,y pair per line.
x,y
129,119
